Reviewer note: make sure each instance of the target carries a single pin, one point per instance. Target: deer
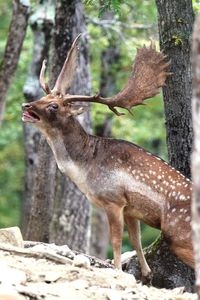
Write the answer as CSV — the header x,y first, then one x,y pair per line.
x,y
129,183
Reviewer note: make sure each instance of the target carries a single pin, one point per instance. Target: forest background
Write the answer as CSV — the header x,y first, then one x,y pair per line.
x,y
132,25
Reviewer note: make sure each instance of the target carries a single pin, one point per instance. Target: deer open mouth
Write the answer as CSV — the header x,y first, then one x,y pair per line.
x,y
30,116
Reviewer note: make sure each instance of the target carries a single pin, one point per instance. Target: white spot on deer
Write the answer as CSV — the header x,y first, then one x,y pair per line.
x,y
188,219
173,210
188,235
157,158
182,197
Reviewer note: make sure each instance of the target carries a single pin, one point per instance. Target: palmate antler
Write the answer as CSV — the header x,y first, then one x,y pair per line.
x,y
148,75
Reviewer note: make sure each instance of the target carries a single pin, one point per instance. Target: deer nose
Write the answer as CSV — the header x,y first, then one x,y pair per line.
x,y
25,106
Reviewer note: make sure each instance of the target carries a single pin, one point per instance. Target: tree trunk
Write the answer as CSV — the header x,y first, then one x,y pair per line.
x,y
196,150
167,270
17,30
175,20
40,163
71,218
109,57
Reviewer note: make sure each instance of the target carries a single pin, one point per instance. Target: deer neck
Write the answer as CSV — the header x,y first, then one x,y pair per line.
x,y
72,147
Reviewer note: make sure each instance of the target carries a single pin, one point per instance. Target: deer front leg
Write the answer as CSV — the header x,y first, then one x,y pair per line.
x,y
115,219
134,233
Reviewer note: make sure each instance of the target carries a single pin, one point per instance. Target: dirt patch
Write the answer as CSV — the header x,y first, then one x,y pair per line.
x,y
42,276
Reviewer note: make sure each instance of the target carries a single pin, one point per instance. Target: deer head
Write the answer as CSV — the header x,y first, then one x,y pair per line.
x,y
148,75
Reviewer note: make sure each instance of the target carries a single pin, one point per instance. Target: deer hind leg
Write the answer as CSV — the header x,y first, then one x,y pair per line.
x,y
133,226
115,219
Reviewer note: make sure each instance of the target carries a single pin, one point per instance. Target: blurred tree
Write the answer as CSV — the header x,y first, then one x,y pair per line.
x,y
17,30
196,150
40,164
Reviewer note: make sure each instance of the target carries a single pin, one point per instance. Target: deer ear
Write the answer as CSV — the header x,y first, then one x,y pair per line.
x,y
76,110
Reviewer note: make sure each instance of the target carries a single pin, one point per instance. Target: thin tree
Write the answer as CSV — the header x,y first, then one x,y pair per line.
x,y
17,31
40,164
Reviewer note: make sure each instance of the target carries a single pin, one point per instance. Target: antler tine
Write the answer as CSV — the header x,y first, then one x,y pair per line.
x,y
149,74
68,70
43,84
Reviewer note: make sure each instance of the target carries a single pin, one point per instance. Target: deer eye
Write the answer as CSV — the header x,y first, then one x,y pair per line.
x,y
53,106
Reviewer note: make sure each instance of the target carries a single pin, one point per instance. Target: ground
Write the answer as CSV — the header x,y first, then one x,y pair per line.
x,y
50,272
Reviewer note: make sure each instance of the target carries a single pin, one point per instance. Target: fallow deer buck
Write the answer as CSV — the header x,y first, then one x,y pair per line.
x,y
129,183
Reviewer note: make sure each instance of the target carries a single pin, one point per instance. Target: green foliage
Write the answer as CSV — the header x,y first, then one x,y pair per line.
x,y
196,5
11,132
112,5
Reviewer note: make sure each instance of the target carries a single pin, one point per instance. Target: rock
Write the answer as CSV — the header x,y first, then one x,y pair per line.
x,y
79,284
11,236
11,296
10,276
9,293
81,260
113,294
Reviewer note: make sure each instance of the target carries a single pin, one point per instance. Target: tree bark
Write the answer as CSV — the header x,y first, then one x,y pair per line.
x,y
175,20
40,163
167,270
71,217
17,30
196,150
109,58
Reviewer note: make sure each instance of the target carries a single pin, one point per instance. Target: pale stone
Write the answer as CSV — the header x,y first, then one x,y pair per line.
x,y
10,276
10,296
81,260
113,295
11,236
